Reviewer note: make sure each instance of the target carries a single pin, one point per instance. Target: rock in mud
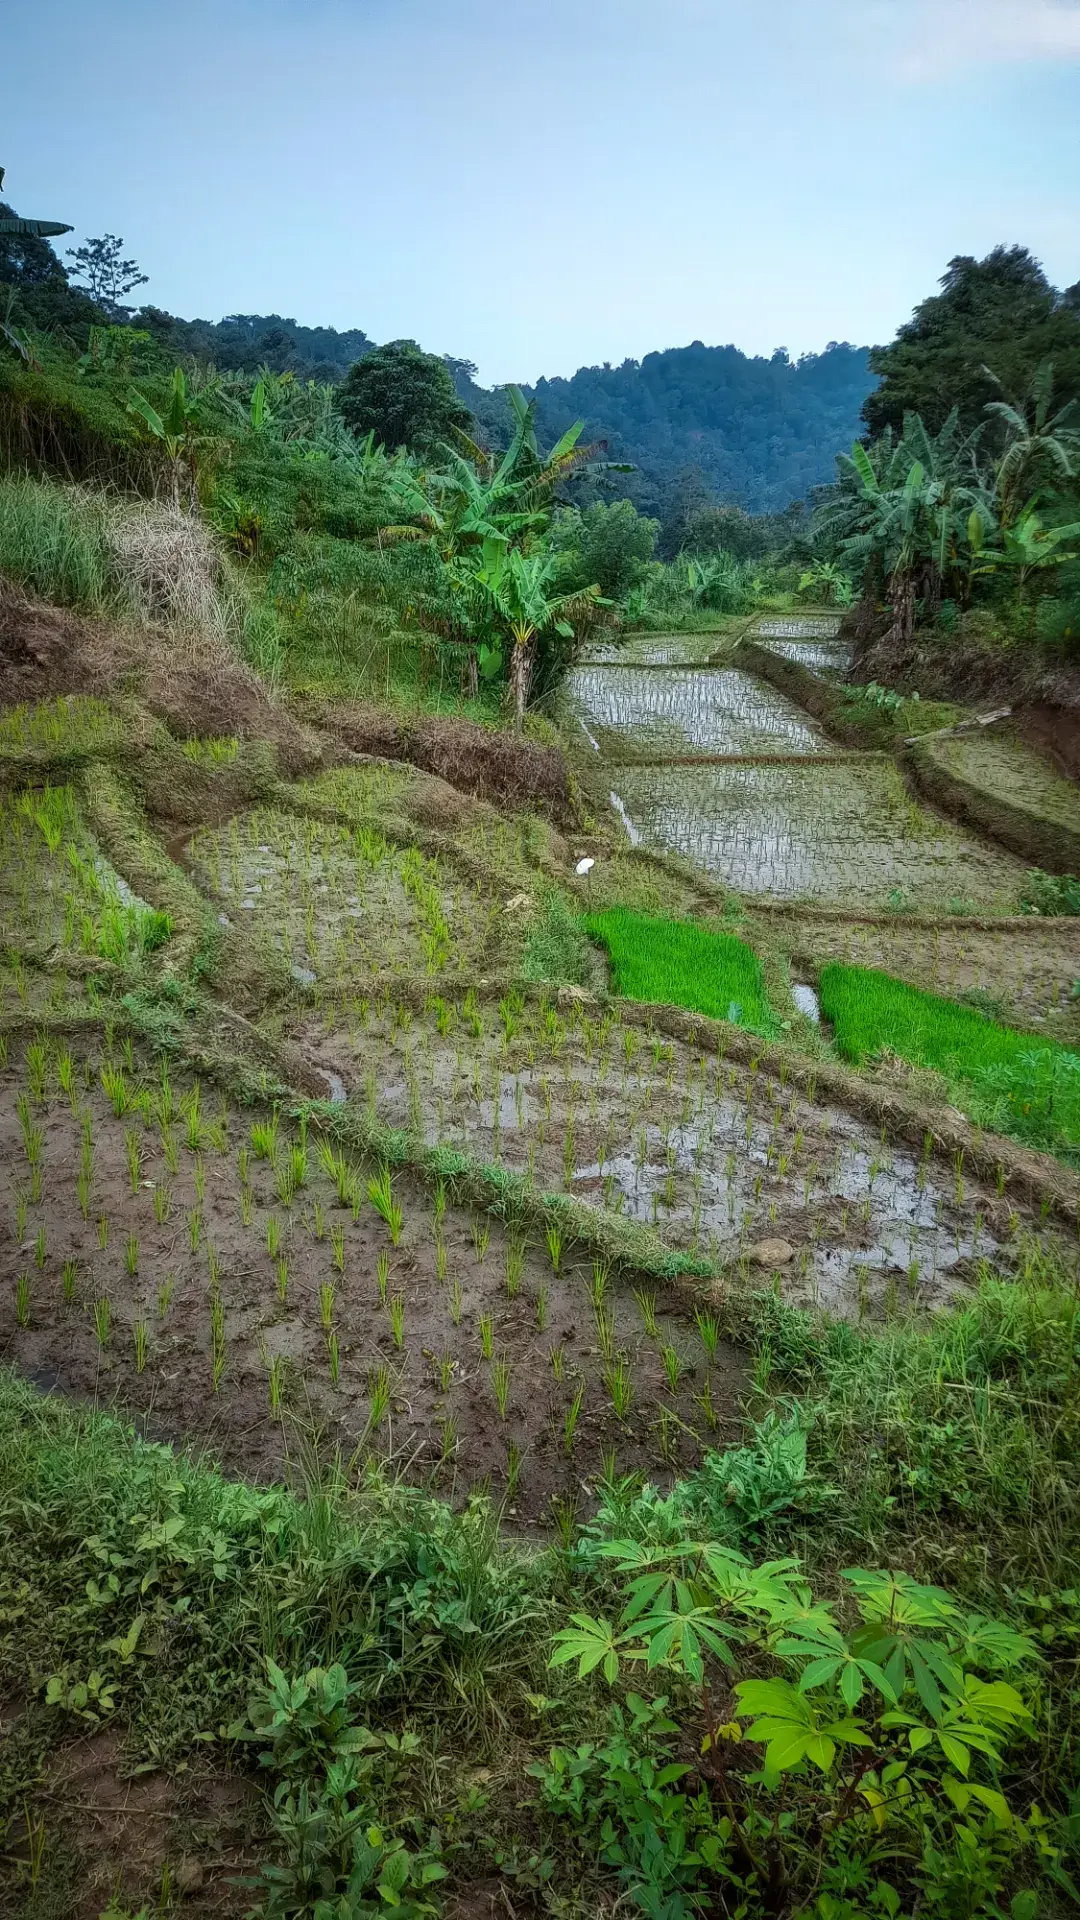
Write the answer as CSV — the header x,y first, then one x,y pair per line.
x,y
772,1253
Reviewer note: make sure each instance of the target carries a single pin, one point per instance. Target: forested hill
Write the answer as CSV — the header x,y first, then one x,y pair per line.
x,y
761,430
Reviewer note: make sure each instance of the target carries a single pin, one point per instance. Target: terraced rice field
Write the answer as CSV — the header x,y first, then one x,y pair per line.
x,y
648,713
846,833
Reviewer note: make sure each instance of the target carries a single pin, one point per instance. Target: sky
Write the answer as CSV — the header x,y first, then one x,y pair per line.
x,y
536,185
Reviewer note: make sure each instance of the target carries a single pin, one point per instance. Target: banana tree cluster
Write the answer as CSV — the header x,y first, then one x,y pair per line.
x,y
486,517
925,516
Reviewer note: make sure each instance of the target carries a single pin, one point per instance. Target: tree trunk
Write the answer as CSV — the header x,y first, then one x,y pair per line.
x,y
520,675
472,675
901,629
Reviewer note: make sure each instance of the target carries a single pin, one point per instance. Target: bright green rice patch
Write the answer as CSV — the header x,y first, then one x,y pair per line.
x,y
1018,1083
679,964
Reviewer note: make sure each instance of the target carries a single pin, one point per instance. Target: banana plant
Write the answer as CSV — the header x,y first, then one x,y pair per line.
x,y
518,589
1034,436
176,430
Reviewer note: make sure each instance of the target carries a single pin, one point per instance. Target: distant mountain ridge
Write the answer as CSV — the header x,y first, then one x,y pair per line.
x,y
756,429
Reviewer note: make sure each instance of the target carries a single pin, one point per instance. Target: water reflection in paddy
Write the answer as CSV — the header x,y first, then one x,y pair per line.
x,y
846,831
686,710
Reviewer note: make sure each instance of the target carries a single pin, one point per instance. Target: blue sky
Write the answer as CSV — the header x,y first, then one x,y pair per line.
x,y
539,184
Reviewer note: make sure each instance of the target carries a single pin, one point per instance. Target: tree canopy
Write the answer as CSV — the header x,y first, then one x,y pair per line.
x,y
403,396
1000,313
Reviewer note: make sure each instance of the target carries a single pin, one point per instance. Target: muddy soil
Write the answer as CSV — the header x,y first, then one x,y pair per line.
x,y
174,1280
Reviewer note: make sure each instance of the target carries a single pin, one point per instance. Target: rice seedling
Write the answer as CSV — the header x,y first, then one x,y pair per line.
x,y
705,1402
564,1512
21,1208
598,1284
439,1204
570,1421
620,1387
667,1433
449,1438
139,1335
162,1198
709,1329
515,1456
70,1280
673,1367
333,1356
131,1256
381,1196
40,1247
284,1184
22,1300
217,1340
298,1165
170,1153
282,1278
554,1246
541,1308
199,1178
337,1244
264,1138
378,1397
515,1267
382,1275
102,1320
133,1148
165,1295
273,1236
276,1366
327,1296
397,1319
318,1219
487,1335
556,1358
481,1238
247,1208
440,1259
456,1300
500,1385
37,1066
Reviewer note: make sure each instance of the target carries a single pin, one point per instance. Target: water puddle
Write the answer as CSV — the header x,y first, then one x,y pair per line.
x,y
829,657
806,1000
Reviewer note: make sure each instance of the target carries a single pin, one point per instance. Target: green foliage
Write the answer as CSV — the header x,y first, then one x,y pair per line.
x,y
896,1726
607,545
404,397
678,963
1000,313
1050,893
53,541
557,947
1017,1082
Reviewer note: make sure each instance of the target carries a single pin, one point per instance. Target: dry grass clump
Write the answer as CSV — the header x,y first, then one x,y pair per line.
x,y
170,567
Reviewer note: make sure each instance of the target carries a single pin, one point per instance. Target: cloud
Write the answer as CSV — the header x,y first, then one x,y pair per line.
x,y
935,39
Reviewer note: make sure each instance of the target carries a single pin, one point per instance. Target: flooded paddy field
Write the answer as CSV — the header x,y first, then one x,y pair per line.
x,y
235,1282
721,1159
847,832
686,710
1010,767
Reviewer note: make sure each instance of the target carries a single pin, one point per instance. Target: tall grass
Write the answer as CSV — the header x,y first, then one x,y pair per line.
x,y
54,542
1019,1083
675,963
